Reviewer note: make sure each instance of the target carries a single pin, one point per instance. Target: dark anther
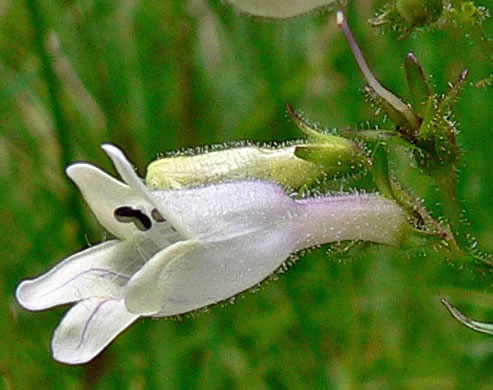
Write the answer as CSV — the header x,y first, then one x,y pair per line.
x,y
127,214
157,216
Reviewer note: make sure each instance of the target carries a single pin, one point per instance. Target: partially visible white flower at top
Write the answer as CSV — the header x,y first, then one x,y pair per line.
x,y
281,8
180,250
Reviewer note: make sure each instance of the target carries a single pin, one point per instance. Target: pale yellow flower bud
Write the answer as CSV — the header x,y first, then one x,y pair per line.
x,y
278,165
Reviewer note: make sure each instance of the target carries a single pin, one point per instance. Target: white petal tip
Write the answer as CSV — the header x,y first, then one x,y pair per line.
x,y
29,297
70,357
113,151
123,166
71,169
78,170
23,295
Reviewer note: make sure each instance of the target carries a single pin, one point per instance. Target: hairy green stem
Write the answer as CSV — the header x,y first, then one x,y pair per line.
x,y
446,182
461,245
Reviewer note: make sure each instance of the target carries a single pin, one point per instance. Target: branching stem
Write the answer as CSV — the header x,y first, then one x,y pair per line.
x,y
373,83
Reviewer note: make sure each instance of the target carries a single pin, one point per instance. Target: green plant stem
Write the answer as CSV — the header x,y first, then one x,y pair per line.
x,y
462,245
380,170
72,205
447,183
415,208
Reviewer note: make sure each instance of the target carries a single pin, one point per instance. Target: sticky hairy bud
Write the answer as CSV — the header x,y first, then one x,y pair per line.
x,y
278,165
292,166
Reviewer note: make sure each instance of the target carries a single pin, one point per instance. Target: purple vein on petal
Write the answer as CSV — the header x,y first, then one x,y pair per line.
x,y
104,272
91,316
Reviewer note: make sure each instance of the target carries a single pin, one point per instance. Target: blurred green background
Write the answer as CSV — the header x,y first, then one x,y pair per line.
x,y
156,75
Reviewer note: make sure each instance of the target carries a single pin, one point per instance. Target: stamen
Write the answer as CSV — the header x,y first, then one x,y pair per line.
x,y
157,216
127,214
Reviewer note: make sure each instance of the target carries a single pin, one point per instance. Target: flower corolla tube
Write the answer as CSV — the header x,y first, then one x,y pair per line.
x,y
176,251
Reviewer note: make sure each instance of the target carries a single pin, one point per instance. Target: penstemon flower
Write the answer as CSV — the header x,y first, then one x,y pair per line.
x,y
176,251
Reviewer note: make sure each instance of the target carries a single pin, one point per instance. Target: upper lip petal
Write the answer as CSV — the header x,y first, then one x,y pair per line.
x,y
104,194
127,173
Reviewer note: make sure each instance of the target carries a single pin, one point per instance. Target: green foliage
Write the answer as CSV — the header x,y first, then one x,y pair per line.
x,y
153,76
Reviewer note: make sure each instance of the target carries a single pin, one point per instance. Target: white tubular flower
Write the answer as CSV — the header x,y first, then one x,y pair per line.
x,y
180,250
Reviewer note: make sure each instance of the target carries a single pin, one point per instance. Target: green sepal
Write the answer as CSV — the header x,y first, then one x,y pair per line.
x,y
329,159
397,117
437,133
390,137
380,170
331,152
418,84
313,134
450,98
